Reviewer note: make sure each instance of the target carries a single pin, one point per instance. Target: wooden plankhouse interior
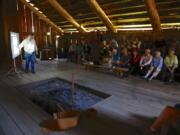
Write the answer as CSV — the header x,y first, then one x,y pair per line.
x,y
129,105
83,18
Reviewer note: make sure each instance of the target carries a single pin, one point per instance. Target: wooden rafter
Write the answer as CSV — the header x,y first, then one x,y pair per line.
x,y
102,15
121,13
66,15
154,15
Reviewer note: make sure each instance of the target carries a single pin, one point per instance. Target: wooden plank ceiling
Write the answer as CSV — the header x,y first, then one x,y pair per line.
x,y
124,14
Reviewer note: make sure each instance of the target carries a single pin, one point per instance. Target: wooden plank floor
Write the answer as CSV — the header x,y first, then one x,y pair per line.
x,y
133,102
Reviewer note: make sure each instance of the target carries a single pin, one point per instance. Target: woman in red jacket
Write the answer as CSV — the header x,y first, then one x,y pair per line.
x,y
170,115
134,62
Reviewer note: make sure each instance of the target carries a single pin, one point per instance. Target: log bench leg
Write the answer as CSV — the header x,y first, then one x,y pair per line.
x,y
88,68
120,74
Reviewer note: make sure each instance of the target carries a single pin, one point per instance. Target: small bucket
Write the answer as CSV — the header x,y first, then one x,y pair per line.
x,y
64,121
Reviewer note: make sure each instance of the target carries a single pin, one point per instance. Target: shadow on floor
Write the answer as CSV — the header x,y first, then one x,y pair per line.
x,y
107,125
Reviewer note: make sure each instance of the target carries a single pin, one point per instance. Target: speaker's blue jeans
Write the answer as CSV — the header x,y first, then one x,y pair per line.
x,y
30,59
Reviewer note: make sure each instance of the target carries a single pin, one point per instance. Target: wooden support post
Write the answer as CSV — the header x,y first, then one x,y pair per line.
x,y
154,16
67,16
9,23
102,15
44,18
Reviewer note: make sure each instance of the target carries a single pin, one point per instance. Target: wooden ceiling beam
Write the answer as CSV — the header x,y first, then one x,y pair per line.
x,y
135,7
66,15
41,16
174,9
102,15
154,15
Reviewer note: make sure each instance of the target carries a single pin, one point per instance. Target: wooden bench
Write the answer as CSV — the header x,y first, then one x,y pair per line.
x,y
89,67
117,70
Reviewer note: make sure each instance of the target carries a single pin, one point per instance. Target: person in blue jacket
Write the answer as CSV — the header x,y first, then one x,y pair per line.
x,y
156,66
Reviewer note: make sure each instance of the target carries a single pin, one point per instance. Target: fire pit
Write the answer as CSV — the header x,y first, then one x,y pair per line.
x,y
54,94
55,91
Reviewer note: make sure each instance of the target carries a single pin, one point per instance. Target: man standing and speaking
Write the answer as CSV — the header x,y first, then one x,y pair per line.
x,y
30,50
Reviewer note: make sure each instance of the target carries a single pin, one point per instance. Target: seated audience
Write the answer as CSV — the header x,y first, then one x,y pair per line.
x,y
71,51
134,63
115,57
169,115
145,62
79,53
134,48
124,60
156,66
171,63
96,52
86,50
139,47
106,49
113,43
